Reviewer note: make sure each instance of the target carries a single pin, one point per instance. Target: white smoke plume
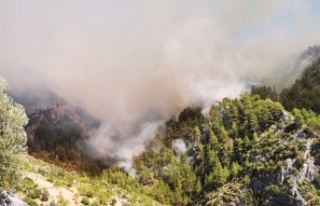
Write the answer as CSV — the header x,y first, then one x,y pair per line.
x,y
179,146
135,64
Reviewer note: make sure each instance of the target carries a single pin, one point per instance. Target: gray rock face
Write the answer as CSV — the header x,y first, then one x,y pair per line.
x,y
9,199
307,172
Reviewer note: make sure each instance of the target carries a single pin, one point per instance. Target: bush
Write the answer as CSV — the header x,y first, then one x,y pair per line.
x,y
113,202
30,201
315,201
85,201
299,161
62,201
227,198
316,182
45,195
35,194
26,184
103,197
95,203
86,189
273,190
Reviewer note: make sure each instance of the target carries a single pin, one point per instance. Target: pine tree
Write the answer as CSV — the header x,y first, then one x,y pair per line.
x,y
196,134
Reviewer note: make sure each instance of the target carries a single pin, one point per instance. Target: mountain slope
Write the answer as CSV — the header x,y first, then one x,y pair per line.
x,y
247,151
47,184
56,135
305,92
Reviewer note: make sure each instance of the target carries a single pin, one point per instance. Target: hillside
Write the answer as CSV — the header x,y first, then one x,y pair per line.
x,y
305,92
246,151
56,134
46,184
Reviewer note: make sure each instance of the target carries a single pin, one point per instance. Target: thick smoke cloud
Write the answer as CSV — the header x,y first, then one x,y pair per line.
x,y
135,64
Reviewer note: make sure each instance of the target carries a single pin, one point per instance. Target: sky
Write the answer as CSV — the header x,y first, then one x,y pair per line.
x,y
136,64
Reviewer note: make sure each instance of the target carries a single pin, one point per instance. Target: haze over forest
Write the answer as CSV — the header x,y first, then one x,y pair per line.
x,y
135,64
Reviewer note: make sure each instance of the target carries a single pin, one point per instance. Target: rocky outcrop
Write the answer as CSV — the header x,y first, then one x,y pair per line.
x,y
9,199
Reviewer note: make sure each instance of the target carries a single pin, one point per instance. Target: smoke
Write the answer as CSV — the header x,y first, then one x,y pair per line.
x,y
179,146
136,64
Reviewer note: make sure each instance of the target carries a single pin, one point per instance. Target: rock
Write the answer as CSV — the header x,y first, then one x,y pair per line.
x,y
9,199
287,169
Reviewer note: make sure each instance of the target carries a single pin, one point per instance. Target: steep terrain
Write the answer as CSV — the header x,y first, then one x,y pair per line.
x,y
247,151
56,135
46,184
305,92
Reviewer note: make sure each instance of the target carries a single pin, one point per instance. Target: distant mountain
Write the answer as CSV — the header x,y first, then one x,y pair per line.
x,y
293,69
305,92
34,99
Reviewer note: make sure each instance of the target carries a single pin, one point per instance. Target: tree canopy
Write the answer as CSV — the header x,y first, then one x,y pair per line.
x,y
13,137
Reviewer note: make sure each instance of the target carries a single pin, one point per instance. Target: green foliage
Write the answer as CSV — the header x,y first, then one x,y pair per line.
x,y
56,140
217,177
85,201
113,202
305,92
315,201
86,190
299,161
241,141
35,194
45,195
26,184
62,201
30,201
264,92
13,138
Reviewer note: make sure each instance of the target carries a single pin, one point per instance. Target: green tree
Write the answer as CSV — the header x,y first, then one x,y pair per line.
x,y
196,133
13,137
217,177
298,116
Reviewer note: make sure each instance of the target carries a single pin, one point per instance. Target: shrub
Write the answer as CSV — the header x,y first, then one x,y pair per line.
x,y
227,198
113,202
315,201
62,201
35,194
299,161
316,182
30,201
85,201
45,195
86,189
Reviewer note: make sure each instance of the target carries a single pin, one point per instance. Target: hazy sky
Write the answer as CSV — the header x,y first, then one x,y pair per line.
x,y
134,64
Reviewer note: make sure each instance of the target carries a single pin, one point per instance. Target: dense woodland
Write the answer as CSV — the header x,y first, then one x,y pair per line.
x,y
303,94
238,144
